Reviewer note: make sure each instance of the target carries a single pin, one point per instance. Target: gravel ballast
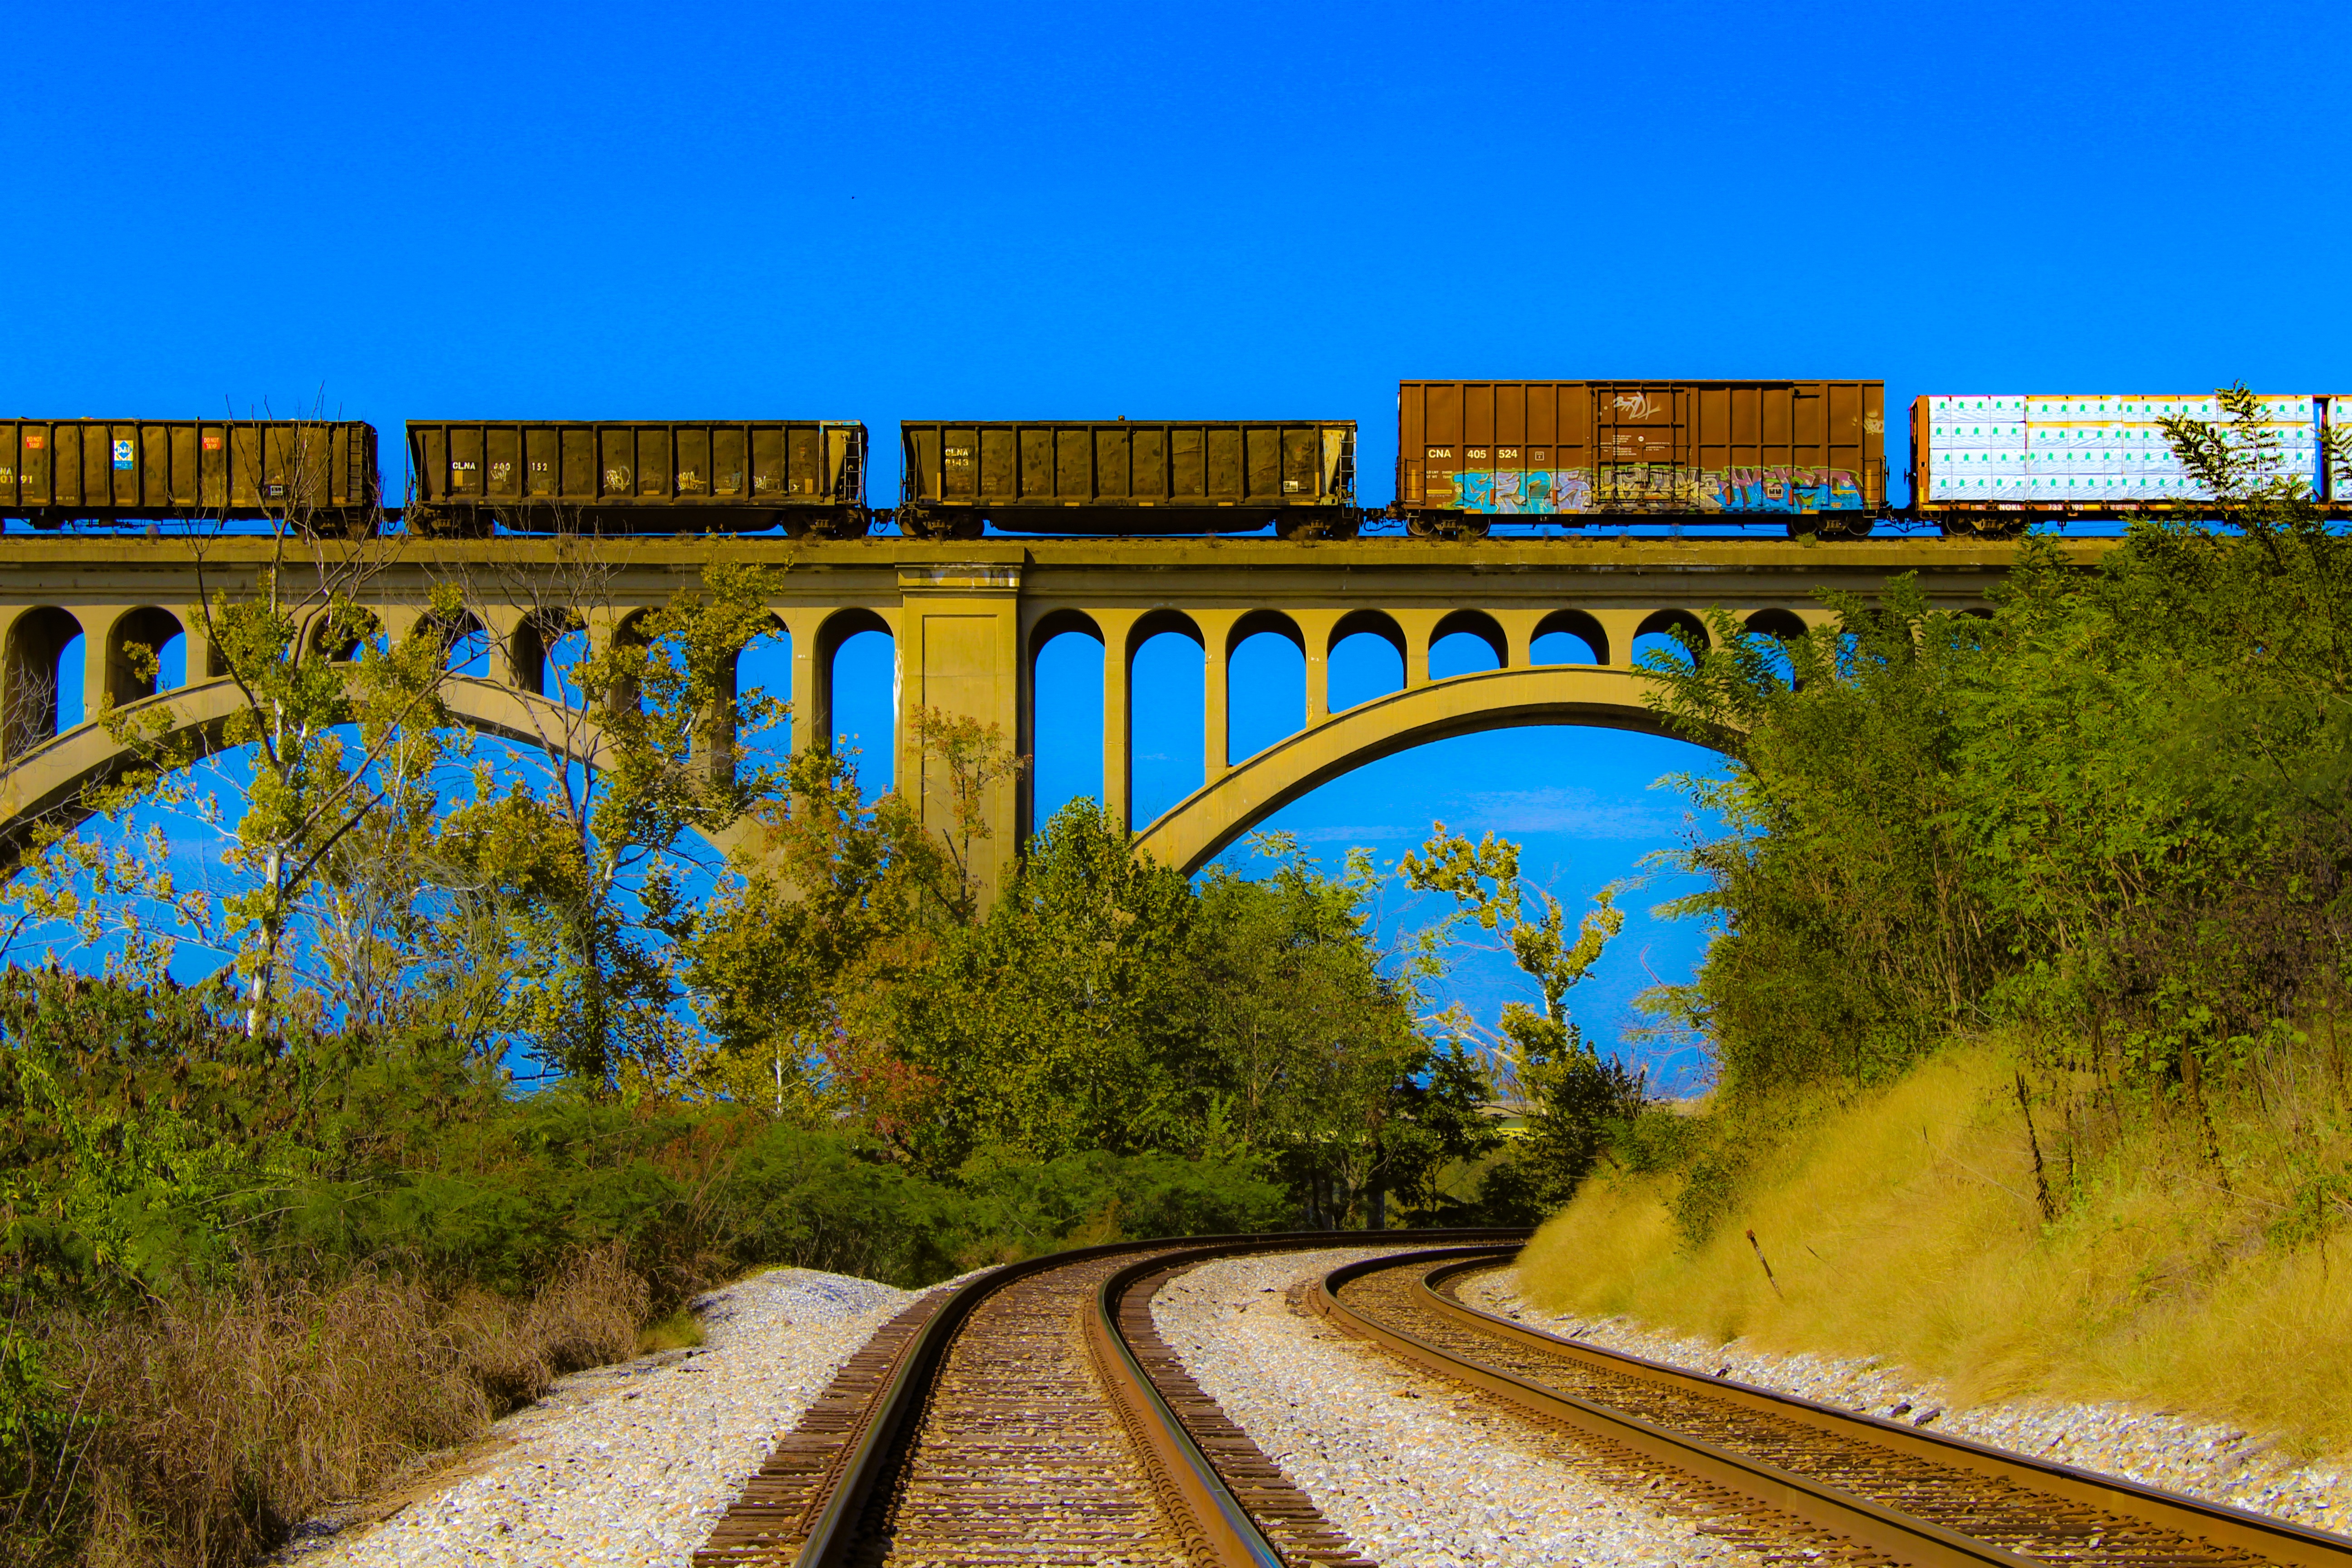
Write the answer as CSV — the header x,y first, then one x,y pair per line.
x,y
632,1464
1419,1472
2202,1460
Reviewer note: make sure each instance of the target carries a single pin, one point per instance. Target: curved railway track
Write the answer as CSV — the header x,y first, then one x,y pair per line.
x,y
1033,1417
1874,1488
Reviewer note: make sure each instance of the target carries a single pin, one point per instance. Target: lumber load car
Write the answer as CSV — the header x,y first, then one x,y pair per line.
x,y
319,475
1988,464
1471,452
1127,477
702,475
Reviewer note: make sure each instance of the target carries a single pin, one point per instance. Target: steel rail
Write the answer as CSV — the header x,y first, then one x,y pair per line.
x,y
1892,1531
1205,1508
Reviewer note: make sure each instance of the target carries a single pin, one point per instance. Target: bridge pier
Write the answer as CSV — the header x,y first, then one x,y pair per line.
x,y
960,654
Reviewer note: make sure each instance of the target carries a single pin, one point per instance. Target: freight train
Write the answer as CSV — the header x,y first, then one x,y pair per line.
x,y
1809,455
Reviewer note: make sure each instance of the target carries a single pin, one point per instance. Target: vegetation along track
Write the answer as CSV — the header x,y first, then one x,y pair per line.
x,y
1033,1417
1878,1487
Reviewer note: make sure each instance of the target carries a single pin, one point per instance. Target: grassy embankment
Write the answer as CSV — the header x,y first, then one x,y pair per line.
x,y
1907,1224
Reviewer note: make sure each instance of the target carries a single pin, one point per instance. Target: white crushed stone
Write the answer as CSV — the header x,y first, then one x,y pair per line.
x,y
632,1464
2205,1460
1401,1461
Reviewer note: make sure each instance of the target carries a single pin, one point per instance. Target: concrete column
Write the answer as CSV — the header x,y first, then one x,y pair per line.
x,y
1518,636
1118,727
397,620
97,667
1418,627
504,624
1216,661
1316,627
1618,627
811,698
204,661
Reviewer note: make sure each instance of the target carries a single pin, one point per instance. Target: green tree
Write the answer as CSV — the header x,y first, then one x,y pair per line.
x,y
838,900
1050,1025
1846,943
1571,1094
2116,810
589,853
1314,1055
332,745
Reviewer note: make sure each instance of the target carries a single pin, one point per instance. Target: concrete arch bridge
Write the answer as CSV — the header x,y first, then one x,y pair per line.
x,y
968,620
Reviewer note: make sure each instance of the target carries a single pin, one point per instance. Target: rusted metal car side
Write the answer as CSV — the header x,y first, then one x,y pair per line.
x,y
318,474
1578,451
1123,476
638,476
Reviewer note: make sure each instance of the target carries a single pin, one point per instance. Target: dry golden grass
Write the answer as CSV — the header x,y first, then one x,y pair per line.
x,y
680,1332
232,1416
1908,1226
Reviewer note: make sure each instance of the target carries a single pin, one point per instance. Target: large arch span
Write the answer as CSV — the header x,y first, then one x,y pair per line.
x,y
52,784
1197,828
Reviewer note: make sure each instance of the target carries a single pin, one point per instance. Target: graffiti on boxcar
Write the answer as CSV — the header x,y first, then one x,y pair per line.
x,y
1531,492
1780,489
1551,492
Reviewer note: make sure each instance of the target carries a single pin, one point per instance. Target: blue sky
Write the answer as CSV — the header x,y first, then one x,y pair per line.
x,y
891,211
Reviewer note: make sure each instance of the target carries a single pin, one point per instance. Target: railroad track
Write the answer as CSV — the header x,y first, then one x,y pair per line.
x,y
1030,1419
1873,1490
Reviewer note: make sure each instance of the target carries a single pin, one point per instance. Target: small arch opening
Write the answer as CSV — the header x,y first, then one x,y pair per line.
x,y
1065,686
147,652
1464,643
466,644
341,637
1167,711
44,677
1568,637
1266,684
764,665
1366,658
628,632
857,696
1663,634
537,637
1785,624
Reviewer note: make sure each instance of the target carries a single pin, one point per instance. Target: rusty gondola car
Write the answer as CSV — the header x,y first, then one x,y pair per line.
x,y
1573,452
806,476
1129,477
310,474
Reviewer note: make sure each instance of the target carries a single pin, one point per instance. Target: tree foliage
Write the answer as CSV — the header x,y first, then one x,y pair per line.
x,y
1572,1096
2114,809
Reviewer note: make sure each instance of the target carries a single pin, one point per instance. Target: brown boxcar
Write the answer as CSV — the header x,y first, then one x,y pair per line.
x,y
1579,451
638,476
129,470
1128,476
